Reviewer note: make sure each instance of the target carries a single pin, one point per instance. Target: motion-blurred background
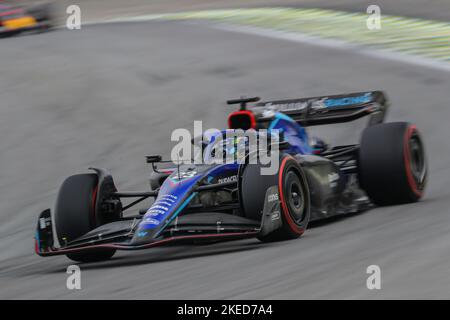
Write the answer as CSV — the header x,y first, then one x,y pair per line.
x,y
433,9
110,93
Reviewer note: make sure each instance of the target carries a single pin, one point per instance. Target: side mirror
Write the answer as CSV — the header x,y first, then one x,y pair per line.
x,y
153,159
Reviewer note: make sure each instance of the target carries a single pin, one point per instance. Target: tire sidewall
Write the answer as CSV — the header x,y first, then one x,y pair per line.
x,y
252,193
290,225
384,164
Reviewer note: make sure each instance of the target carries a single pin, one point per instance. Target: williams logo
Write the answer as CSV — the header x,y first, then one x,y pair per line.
x,y
272,197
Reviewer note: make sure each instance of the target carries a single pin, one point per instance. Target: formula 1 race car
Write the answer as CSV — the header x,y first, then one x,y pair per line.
x,y
211,201
15,19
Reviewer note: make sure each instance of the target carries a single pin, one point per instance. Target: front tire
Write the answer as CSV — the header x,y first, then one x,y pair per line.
x,y
75,214
392,163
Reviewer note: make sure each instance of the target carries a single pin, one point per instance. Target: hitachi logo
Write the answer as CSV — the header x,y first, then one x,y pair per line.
x,y
227,179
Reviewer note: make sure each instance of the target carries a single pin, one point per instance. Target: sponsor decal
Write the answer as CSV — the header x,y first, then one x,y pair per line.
x,y
168,197
272,197
347,101
290,106
275,215
42,223
153,212
165,203
142,234
160,207
318,105
333,179
268,113
150,220
227,179
183,175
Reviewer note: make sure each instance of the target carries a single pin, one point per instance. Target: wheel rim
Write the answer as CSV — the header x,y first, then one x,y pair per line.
x,y
295,195
417,159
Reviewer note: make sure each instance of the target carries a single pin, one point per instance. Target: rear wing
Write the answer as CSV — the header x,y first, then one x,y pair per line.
x,y
332,109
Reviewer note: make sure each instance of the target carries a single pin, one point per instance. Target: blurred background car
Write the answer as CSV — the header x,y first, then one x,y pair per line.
x,y
15,18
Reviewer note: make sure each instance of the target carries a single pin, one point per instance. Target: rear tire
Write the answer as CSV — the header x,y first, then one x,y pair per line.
x,y
392,163
293,193
75,214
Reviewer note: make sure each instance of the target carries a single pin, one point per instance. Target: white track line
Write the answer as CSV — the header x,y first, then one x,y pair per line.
x,y
299,38
338,44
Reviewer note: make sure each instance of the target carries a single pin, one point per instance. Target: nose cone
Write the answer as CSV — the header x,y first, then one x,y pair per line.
x,y
175,193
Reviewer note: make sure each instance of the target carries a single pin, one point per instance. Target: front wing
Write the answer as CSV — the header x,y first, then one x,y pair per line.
x,y
194,228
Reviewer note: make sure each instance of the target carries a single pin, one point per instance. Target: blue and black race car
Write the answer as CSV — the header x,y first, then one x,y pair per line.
x,y
210,202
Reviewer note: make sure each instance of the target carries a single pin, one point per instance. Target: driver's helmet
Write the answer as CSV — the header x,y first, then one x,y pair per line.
x,y
230,146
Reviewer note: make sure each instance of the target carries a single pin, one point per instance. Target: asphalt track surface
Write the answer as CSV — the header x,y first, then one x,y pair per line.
x,y
110,94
